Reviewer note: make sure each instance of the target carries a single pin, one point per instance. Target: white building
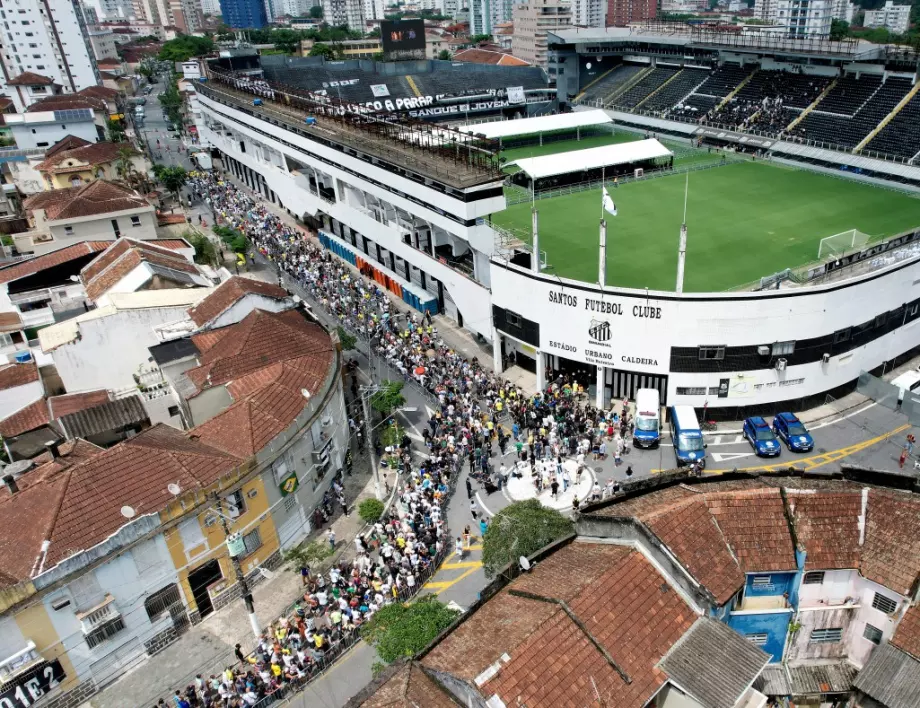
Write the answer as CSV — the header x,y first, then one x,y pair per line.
x,y
893,17
47,38
210,7
532,20
102,40
804,18
589,13
344,12
373,9
480,17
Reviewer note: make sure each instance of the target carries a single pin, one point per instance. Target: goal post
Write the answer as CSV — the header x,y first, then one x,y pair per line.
x,y
838,244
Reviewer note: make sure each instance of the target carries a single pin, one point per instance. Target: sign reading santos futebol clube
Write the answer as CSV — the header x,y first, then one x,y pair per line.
x,y
620,334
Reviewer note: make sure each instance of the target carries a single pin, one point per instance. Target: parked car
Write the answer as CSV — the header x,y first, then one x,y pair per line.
x,y
760,436
793,432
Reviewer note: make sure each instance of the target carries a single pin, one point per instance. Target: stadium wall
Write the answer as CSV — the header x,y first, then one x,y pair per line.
x,y
703,347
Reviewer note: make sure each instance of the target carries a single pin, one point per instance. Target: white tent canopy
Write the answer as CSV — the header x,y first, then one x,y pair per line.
x,y
563,163
538,124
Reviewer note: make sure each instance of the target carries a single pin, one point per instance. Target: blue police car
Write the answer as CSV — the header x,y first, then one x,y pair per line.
x,y
760,436
791,431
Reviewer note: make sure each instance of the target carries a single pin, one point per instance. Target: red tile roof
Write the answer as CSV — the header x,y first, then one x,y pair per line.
x,y
105,271
29,78
891,552
68,143
102,92
33,416
827,525
67,102
13,375
907,636
74,402
49,260
409,687
90,154
93,199
754,524
10,322
625,606
228,293
485,56
70,452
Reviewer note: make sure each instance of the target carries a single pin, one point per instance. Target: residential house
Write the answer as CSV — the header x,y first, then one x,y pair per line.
x,y
891,678
12,336
29,87
20,385
100,210
52,119
234,299
81,162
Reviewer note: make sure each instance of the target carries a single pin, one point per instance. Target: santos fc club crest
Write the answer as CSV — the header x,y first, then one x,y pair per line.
x,y
600,331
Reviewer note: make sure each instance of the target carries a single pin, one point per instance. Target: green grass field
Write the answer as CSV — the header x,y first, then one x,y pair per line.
x,y
745,221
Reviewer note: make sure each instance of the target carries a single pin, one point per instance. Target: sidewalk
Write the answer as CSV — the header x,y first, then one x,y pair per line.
x,y
208,647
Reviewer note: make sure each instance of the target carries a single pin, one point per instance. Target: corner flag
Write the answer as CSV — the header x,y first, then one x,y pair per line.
x,y
608,203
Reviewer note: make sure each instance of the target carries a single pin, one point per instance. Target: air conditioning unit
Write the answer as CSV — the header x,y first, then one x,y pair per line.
x,y
209,521
780,364
826,358
763,350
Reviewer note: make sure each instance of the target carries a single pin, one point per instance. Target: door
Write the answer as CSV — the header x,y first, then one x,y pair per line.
x,y
199,580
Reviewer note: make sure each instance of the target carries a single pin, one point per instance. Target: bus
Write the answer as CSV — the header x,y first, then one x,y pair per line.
x,y
689,448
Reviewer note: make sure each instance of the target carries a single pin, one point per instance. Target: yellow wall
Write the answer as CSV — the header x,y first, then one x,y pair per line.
x,y
35,624
256,516
62,181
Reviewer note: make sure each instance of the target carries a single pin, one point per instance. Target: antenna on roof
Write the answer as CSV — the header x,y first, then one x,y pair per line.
x,y
128,512
174,489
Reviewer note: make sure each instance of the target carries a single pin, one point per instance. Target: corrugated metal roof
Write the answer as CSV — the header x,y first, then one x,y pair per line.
x,y
113,415
891,677
538,124
773,681
823,678
715,664
562,163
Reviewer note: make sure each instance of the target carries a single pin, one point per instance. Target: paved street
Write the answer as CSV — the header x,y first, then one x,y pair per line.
x,y
154,128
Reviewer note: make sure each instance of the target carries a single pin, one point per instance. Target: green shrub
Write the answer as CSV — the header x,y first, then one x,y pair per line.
x,y
370,510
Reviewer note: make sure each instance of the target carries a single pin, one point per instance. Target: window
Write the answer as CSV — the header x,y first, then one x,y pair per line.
x,y
814,577
514,320
115,228
886,605
172,411
236,506
712,353
826,636
290,501
160,601
251,541
105,631
783,348
6,340
761,582
691,391
135,221
759,639
841,336
873,634
68,230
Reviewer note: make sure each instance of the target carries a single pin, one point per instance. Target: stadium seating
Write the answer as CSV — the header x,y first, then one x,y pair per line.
x,y
764,102
901,136
694,107
846,132
849,94
723,80
606,85
646,85
675,90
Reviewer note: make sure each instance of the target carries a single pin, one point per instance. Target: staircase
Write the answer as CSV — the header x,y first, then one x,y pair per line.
x,y
812,107
616,93
887,119
737,88
411,82
599,78
676,74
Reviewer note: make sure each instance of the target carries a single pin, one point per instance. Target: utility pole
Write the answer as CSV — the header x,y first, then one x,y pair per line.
x,y
375,470
233,542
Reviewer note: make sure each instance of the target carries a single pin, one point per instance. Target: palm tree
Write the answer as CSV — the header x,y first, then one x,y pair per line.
x,y
124,166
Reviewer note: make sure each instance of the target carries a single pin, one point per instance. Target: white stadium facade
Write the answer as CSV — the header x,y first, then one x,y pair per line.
x,y
417,210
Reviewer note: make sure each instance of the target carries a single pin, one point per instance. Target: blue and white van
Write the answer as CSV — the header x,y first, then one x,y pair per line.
x,y
687,437
648,418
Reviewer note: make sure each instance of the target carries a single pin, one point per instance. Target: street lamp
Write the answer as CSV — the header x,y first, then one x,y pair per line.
x,y
366,393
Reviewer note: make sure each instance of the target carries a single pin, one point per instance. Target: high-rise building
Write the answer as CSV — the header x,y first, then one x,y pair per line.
x,y
244,14
376,9
803,18
893,17
621,12
532,20
186,15
344,12
589,13
480,17
210,7
47,38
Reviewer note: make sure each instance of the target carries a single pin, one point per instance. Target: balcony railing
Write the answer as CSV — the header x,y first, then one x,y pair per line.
x,y
19,662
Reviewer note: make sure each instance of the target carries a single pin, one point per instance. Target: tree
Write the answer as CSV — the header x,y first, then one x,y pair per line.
x,y
124,166
348,341
115,129
374,33
184,47
286,40
477,38
444,55
322,50
388,398
308,555
316,12
205,252
839,30
173,178
370,510
400,630
521,529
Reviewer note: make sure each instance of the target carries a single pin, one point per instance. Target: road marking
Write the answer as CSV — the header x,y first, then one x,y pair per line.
x,y
726,456
484,507
462,564
442,585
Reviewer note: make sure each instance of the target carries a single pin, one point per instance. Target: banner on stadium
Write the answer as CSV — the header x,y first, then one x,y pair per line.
x,y
516,94
380,90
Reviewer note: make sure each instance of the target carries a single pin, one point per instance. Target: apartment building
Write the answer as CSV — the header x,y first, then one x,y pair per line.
x,y
895,18
532,20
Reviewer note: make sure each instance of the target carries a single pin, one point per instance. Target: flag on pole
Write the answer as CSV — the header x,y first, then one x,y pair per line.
x,y
609,206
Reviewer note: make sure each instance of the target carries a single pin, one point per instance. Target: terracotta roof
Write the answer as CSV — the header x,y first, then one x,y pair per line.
x,y
86,155
754,524
5,103
99,92
67,143
228,293
122,258
70,452
73,402
139,469
98,197
29,78
408,685
10,322
49,260
13,375
891,552
67,102
827,525
33,416
626,607
907,636
485,56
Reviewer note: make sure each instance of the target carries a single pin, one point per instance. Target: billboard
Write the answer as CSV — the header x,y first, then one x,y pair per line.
x,y
402,35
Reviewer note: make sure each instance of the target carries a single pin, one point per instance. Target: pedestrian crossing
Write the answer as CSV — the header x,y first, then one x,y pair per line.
x,y
452,571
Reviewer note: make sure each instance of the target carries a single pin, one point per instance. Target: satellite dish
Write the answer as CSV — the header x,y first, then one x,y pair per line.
x,y
128,512
174,489
305,393
588,66
525,564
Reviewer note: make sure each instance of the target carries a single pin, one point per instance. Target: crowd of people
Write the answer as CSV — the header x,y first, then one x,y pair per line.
x,y
475,411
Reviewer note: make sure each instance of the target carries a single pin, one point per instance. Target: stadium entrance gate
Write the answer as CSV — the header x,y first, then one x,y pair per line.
x,y
624,384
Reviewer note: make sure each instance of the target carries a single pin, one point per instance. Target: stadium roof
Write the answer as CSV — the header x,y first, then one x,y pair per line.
x,y
538,124
592,158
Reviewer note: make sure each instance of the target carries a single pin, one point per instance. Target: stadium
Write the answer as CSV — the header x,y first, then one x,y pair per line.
x,y
790,163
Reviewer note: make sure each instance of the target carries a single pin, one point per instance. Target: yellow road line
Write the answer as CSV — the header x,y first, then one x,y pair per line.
x,y
444,585
462,564
813,462
474,547
438,584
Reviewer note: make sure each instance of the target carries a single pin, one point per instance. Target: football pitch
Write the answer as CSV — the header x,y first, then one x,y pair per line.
x,y
745,220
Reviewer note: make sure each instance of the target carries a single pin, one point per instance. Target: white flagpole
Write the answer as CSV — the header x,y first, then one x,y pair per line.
x,y
682,244
602,281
